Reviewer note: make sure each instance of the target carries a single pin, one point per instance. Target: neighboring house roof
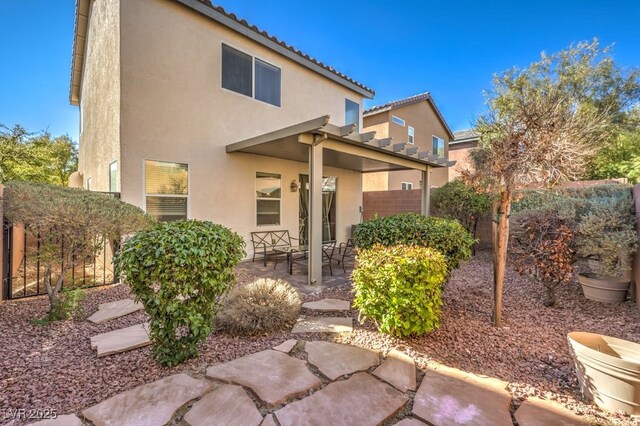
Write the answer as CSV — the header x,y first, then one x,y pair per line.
x,y
467,135
426,96
230,20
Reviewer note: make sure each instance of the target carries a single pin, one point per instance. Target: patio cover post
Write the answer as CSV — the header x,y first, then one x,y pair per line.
x,y
426,192
315,210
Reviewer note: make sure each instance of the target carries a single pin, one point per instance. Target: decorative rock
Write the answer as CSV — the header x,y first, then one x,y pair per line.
x,y
323,325
66,420
328,305
121,340
227,405
360,400
335,360
272,375
269,420
286,346
150,404
540,412
410,422
112,310
453,397
399,370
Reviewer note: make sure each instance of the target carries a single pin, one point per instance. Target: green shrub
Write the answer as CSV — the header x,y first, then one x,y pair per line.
x,y
68,306
399,288
459,201
262,306
443,235
179,270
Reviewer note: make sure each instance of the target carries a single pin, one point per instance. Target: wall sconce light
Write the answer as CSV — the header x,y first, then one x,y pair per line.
x,y
294,186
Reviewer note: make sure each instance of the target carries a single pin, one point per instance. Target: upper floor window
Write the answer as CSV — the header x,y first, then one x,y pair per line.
x,y
397,120
166,187
352,113
412,135
250,76
438,146
113,177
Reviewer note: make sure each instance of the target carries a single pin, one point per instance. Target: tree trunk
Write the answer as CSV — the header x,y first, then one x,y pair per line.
x,y
500,255
475,234
51,292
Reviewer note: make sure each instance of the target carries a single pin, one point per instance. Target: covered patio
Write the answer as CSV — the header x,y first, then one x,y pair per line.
x,y
320,144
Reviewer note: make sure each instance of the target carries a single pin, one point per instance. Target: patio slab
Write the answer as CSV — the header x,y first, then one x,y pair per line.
x,y
227,405
286,346
359,400
328,305
323,325
335,360
540,412
125,339
117,309
410,422
449,397
399,370
65,420
151,404
273,376
269,420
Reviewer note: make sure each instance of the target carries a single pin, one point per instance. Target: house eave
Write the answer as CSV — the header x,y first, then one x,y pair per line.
x,y
79,44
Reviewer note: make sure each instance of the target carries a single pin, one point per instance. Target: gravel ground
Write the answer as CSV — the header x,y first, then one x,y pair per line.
x,y
53,367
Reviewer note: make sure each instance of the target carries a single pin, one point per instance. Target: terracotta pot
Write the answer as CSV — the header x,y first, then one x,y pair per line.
x,y
604,289
608,370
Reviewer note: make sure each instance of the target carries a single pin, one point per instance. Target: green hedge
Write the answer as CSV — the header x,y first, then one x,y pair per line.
x,y
399,288
443,235
179,270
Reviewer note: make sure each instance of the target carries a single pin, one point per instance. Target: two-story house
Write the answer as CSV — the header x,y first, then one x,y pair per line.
x,y
459,147
190,112
418,122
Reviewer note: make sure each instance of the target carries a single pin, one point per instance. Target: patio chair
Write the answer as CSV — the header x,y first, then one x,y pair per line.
x,y
346,251
302,259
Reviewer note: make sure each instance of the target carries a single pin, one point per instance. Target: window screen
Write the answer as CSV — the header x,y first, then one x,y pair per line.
x,y
267,83
166,190
412,135
237,71
352,113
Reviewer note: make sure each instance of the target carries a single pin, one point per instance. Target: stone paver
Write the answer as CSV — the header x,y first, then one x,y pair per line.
x,y
410,422
335,360
539,412
150,404
328,305
112,310
323,325
227,405
269,420
122,340
286,346
398,370
359,400
65,420
272,375
452,397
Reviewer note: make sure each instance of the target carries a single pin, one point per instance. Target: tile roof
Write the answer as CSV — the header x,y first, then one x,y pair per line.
x,y
466,135
289,47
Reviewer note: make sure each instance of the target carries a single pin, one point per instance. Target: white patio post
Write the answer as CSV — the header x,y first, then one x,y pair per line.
x,y
315,211
426,192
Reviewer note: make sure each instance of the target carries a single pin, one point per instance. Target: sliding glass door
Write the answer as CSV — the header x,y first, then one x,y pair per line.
x,y
328,208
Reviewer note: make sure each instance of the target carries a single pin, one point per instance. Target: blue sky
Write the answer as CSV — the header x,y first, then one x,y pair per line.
x,y
450,48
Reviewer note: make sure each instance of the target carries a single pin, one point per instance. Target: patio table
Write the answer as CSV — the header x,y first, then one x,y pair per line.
x,y
289,251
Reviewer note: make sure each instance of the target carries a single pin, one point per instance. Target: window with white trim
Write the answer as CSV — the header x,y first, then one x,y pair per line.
x,y
406,185
166,187
113,177
268,191
438,146
398,120
412,135
249,76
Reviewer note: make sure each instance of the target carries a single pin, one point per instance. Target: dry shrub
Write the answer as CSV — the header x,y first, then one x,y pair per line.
x,y
262,306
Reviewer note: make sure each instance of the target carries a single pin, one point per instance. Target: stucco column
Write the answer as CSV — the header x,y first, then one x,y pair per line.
x,y
635,276
315,213
2,283
426,192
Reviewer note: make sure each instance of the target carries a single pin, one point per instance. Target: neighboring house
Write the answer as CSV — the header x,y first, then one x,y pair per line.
x,y
459,148
190,112
418,122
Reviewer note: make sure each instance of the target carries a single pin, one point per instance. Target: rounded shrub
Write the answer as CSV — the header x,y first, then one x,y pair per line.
x,y
179,270
400,288
262,306
443,235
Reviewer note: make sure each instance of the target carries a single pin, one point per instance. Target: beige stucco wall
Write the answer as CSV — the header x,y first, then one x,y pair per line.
x,y
174,109
426,124
462,161
100,95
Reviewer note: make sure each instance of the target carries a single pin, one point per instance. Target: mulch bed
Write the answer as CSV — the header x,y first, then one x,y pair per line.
x,y
53,367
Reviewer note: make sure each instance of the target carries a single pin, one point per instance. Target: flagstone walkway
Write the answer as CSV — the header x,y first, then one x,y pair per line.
x,y
321,383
